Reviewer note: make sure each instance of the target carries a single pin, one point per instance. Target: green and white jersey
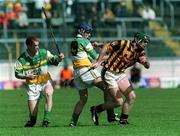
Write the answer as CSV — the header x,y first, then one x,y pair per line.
x,y
37,65
81,49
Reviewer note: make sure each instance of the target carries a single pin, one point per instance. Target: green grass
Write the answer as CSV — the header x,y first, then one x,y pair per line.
x,y
156,112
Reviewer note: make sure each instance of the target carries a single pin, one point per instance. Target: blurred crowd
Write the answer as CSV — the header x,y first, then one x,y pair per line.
x,y
97,13
13,12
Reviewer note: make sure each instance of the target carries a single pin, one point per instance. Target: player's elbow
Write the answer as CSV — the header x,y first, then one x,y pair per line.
x,y
17,76
147,65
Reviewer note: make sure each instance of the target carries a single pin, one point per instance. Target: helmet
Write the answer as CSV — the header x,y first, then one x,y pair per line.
x,y
141,36
86,27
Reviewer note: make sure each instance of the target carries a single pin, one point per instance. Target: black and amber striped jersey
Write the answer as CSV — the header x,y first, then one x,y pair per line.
x,y
122,55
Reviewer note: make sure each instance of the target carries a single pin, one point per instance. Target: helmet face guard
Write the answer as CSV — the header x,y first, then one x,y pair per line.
x,y
141,37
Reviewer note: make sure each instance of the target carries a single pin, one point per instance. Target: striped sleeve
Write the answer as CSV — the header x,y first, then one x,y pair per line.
x,y
18,67
91,52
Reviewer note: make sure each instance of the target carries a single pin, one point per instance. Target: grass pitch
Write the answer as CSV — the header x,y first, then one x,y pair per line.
x,y
156,112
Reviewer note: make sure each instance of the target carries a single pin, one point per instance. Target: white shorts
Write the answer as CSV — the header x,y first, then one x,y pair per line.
x,y
86,80
112,78
35,90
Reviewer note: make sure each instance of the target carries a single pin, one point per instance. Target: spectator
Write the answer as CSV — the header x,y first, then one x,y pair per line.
x,y
108,14
121,9
2,19
66,76
47,8
137,4
38,7
147,14
17,7
22,17
94,18
31,8
69,4
55,6
10,15
108,18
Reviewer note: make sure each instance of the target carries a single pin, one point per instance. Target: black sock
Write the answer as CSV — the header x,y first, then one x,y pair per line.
x,y
33,119
99,108
110,113
124,116
74,118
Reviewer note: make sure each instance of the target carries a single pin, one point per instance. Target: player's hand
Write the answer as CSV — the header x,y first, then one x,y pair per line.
x,y
95,65
96,44
30,76
143,59
61,56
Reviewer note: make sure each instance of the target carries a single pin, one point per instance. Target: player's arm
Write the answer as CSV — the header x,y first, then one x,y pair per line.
x,y
26,77
93,54
144,61
96,44
20,74
54,59
103,55
88,47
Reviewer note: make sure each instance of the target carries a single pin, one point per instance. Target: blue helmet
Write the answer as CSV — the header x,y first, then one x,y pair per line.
x,y
86,27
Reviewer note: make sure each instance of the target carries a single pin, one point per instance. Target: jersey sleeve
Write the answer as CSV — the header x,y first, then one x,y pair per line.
x,y
18,68
90,50
52,59
49,55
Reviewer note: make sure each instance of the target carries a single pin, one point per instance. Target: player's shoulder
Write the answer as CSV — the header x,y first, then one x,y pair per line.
x,y
82,40
22,56
42,50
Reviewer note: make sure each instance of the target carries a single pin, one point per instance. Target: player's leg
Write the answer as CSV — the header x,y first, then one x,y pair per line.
x,y
111,116
83,96
116,101
48,94
80,83
33,110
129,93
33,101
113,92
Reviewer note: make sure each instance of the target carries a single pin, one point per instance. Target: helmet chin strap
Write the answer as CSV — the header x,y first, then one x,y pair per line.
x,y
139,41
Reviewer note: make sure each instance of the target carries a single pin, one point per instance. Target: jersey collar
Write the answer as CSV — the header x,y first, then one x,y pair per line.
x,y
27,54
79,36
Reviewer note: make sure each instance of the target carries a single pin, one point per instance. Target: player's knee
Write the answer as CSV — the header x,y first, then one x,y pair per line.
x,y
48,94
132,97
119,102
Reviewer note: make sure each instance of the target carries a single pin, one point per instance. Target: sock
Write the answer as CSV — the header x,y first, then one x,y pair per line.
x,y
99,108
33,119
74,118
47,116
110,113
124,116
